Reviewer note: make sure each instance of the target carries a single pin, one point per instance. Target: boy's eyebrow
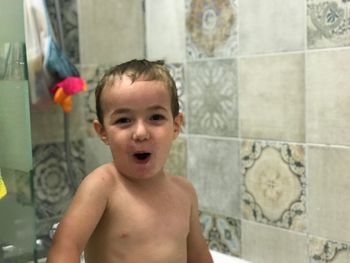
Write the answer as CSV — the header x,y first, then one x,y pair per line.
x,y
128,110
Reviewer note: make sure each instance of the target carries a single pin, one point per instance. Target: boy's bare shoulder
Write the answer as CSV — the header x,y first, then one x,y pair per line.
x,y
102,177
183,183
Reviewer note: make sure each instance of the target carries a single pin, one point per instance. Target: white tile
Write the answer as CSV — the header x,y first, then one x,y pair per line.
x,y
165,30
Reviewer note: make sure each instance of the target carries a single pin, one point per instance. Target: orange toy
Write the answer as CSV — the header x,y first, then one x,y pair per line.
x,y
63,91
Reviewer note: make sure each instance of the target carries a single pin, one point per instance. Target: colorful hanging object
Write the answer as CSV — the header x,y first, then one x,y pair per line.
x,y
64,91
3,190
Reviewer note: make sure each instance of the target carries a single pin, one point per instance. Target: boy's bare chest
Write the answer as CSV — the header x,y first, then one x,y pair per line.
x,y
139,217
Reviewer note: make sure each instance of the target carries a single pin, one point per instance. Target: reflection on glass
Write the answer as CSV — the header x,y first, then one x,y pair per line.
x,y
17,237
12,61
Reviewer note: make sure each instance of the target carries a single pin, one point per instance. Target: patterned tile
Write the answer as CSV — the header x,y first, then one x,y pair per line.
x,y
328,23
92,74
211,28
223,234
177,72
53,187
327,251
274,184
69,19
177,161
212,98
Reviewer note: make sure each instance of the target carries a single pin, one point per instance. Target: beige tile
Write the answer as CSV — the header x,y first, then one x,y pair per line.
x,y
271,25
165,34
110,31
328,97
329,194
271,92
262,244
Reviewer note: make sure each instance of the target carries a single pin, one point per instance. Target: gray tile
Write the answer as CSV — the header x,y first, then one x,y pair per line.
x,y
274,184
211,28
212,98
214,172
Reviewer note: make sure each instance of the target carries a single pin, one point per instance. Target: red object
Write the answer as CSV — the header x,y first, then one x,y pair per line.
x,y
64,90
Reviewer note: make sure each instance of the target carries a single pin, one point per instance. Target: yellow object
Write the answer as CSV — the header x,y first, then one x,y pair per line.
x,y
3,190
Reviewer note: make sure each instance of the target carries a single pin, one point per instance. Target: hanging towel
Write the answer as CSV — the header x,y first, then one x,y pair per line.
x,y
46,63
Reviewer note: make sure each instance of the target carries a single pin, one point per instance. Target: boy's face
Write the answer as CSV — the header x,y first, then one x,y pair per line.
x,y
138,126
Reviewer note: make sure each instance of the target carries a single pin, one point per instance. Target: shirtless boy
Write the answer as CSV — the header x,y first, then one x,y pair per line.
x,y
131,210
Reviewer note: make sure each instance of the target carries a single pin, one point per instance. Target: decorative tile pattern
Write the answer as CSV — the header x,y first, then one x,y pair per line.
x,y
274,184
177,161
211,28
327,251
177,72
53,187
223,234
212,98
328,23
69,17
92,74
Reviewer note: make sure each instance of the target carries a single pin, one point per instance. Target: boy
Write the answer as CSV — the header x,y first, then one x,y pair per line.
x,y
131,211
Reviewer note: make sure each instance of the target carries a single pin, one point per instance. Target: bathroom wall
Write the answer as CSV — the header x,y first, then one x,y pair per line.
x,y
267,130
263,88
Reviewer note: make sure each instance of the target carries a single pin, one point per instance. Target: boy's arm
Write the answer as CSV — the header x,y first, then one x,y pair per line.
x,y
80,220
197,248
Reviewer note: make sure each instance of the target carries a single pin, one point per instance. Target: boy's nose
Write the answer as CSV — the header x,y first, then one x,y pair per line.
x,y
140,132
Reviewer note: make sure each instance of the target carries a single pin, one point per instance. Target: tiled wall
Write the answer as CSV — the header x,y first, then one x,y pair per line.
x,y
267,122
263,85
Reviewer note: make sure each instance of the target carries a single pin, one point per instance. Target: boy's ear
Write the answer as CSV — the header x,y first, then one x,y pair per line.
x,y
100,131
178,122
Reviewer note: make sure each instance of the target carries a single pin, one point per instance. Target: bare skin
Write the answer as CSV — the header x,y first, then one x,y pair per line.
x,y
131,210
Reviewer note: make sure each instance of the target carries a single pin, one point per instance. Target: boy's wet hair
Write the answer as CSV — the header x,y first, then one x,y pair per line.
x,y
135,70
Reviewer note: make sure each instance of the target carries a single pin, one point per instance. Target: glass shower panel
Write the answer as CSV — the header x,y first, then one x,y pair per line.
x,y
17,214
15,134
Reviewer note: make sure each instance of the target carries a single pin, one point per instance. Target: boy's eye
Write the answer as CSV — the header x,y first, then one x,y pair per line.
x,y
122,121
157,117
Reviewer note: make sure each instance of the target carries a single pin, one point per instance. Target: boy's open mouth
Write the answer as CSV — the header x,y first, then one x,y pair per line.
x,y
143,156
